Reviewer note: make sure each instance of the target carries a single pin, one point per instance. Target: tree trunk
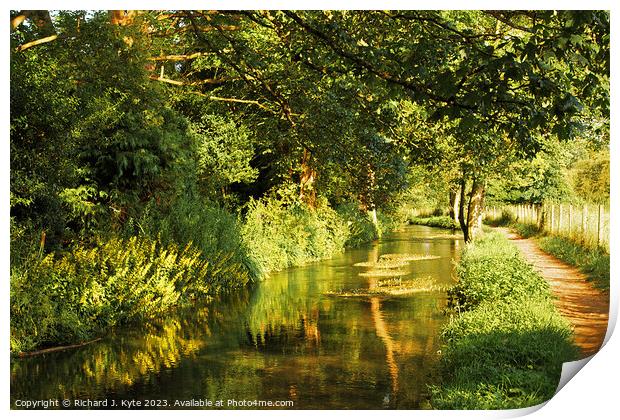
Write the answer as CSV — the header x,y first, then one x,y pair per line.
x,y
41,19
370,202
461,215
373,216
470,211
455,200
475,210
307,192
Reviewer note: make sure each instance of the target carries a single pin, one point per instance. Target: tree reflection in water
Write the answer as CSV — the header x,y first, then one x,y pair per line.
x,y
285,339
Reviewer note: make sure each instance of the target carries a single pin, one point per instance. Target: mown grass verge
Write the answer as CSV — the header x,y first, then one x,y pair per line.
x,y
506,343
444,222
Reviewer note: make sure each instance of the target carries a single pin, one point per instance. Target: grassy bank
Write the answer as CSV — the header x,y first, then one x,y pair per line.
x,y
444,222
505,346
594,262
168,255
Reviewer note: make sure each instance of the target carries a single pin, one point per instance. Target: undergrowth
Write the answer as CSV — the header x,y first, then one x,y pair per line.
x,y
72,297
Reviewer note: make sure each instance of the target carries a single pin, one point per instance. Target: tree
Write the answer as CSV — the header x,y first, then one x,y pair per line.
x,y
493,81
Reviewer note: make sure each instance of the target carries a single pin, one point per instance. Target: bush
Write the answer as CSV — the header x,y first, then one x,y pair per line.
x,y
506,348
280,233
72,297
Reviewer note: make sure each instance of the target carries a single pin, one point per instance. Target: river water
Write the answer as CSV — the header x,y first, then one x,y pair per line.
x,y
286,339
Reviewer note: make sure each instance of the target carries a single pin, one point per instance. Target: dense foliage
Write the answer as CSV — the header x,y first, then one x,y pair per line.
x,y
435,221
74,297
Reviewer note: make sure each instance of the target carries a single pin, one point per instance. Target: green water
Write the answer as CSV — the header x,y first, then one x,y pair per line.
x,y
283,340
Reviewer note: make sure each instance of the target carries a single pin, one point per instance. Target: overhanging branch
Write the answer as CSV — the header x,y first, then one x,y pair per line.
x,y
36,42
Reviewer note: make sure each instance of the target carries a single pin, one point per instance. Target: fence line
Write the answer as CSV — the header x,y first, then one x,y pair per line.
x,y
587,223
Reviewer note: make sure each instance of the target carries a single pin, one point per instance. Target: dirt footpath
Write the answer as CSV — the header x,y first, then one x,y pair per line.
x,y
586,307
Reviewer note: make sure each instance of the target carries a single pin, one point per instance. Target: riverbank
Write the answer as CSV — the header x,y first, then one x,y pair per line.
x,y
444,222
182,254
282,337
506,343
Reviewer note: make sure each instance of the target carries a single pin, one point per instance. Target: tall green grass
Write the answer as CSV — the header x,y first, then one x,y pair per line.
x,y
213,230
494,270
279,234
506,343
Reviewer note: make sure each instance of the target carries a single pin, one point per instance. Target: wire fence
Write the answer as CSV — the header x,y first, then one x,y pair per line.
x,y
586,223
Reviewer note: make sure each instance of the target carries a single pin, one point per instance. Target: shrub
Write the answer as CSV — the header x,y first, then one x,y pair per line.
x,y
282,234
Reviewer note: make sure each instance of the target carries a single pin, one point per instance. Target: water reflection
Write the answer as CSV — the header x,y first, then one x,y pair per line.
x,y
283,340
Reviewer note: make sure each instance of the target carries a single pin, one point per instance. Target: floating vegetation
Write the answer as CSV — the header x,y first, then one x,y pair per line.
x,y
384,264
393,287
443,236
384,273
408,257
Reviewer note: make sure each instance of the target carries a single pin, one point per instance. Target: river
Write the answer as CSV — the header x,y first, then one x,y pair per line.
x,y
285,339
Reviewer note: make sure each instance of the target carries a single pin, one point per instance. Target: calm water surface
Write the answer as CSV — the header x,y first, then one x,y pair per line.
x,y
282,340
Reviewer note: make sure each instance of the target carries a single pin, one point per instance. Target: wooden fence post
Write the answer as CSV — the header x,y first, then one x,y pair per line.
x,y
584,219
598,230
570,220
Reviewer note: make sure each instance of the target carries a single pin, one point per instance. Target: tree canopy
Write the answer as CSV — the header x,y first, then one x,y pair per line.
x,y
112,108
